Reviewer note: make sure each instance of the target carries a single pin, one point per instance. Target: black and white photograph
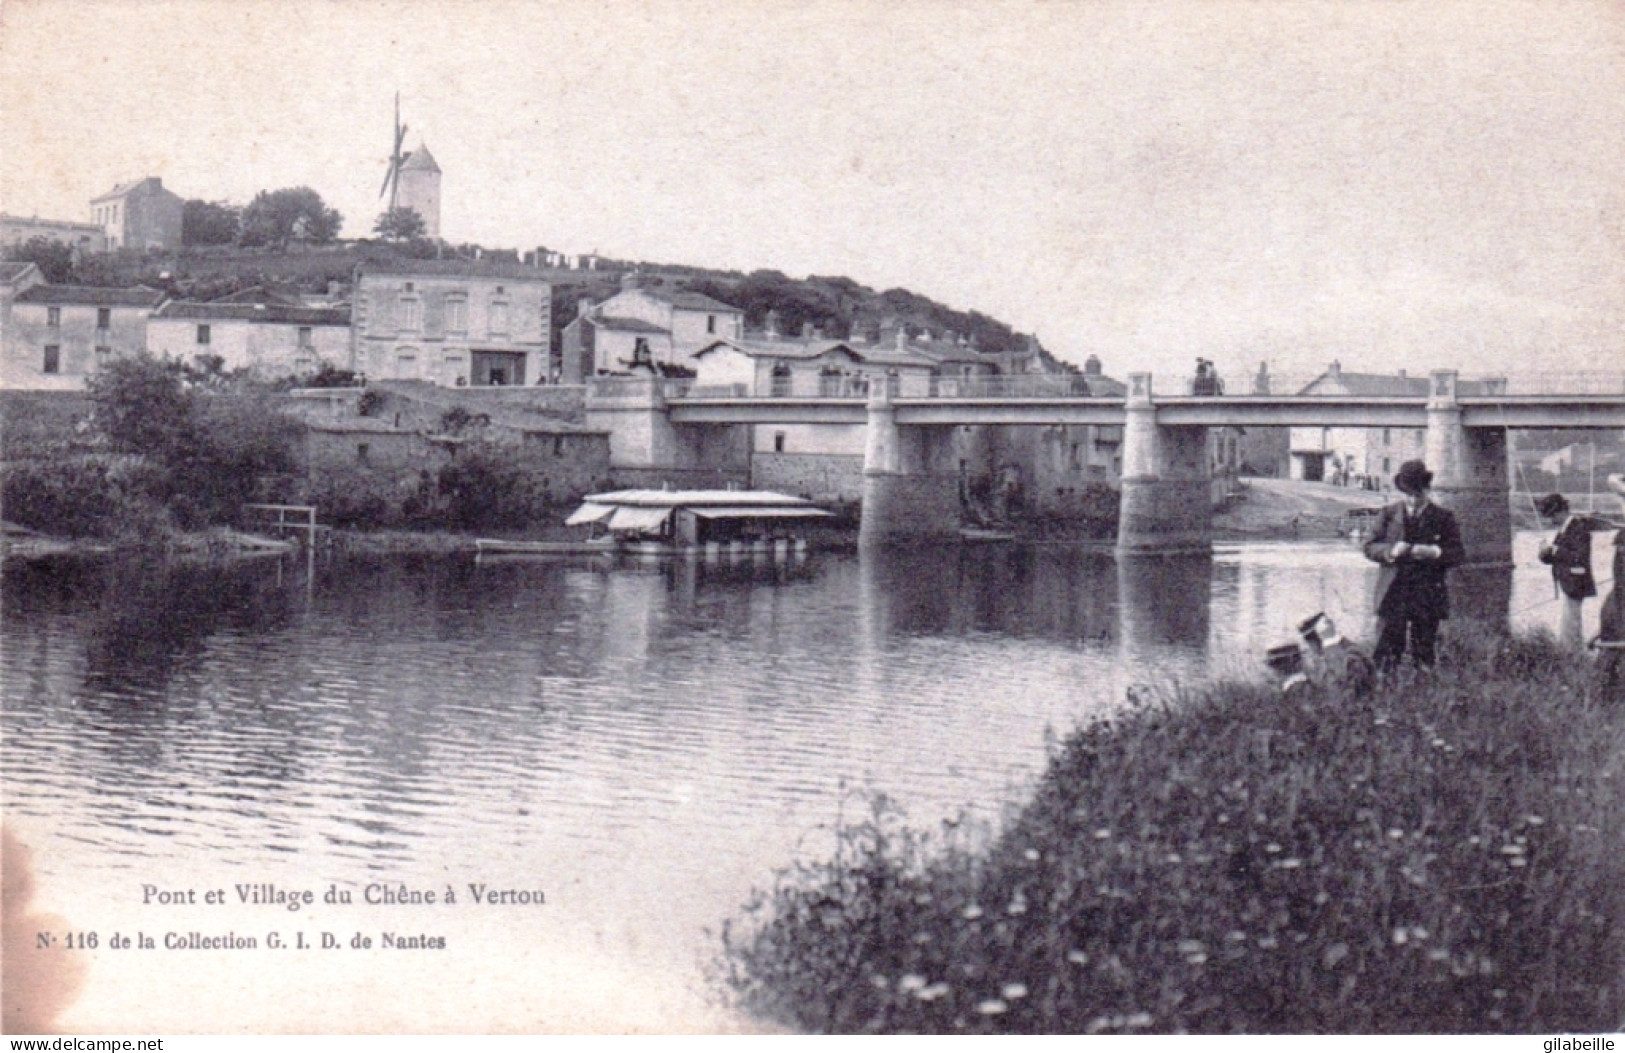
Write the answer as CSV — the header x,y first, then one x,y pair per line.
x,y
834,517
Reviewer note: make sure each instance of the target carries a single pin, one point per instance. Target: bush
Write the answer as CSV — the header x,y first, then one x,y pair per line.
x,y
111,498
214,437
1439,856
483,488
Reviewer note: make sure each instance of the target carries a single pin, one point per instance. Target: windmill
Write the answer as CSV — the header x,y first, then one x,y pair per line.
x,y
392,178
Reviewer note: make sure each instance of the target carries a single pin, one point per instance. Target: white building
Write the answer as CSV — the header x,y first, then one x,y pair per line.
x,y
644,327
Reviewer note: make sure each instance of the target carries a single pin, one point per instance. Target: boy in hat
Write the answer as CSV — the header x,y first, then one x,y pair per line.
x,y
1415,542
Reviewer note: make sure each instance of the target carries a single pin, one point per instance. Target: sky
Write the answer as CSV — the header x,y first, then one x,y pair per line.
x,y
1395,185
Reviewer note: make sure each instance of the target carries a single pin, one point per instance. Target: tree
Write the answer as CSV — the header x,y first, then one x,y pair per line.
x,y
400,224
213,437
275,217
209,222
53,258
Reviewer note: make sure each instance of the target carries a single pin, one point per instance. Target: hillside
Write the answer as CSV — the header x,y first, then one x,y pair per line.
x,y
834,305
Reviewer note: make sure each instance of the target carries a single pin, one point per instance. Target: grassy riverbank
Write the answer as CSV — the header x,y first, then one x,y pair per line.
x,y
1442,855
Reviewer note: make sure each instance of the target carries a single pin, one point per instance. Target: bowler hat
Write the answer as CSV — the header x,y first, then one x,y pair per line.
x,y
1413,477
1552,505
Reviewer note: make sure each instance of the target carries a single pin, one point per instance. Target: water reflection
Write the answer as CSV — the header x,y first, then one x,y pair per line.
x,y
652,737
1165,601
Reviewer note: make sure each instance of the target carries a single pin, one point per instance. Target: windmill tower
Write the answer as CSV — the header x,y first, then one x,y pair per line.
x,y
413,179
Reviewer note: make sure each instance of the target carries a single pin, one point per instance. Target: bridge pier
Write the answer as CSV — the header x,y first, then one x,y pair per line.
x,y
1166,504
1470,477
910,483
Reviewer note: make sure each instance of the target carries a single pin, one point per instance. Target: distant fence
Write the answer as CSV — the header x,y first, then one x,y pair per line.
x,y
285,517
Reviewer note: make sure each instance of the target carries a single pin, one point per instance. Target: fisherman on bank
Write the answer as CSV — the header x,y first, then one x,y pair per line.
x,y
1569,555
1416,542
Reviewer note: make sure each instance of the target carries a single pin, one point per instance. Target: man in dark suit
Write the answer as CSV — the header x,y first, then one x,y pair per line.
x,y
1416,542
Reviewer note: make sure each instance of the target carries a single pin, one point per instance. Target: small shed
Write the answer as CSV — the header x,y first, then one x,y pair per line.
x,y
694,517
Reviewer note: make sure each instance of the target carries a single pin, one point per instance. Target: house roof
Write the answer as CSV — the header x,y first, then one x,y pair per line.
x,y
125,188
628,325
451,268
690,301
269,314
1385,384
798,350
258,294
358,425
95,296
699,499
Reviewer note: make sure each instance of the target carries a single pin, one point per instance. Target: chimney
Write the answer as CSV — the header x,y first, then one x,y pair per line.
x,y
772,325
806,330
1402,374
1336,368
583,305
902,338
1091,366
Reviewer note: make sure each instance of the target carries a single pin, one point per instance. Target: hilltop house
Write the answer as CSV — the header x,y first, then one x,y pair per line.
x,y
1348,455
58,335
140,215
83,237
451,322
644,327
263,333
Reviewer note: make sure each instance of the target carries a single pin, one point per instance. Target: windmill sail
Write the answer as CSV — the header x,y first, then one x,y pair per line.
x,y
392,178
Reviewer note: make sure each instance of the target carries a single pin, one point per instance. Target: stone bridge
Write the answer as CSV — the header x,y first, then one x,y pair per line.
x,y
910,488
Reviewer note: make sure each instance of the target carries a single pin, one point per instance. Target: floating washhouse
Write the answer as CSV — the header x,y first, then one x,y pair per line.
x,y
698,517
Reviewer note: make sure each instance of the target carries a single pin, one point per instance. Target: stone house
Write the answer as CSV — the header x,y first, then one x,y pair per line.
x,y
140,215
271,339
451,322
1350,455
643,327
58,335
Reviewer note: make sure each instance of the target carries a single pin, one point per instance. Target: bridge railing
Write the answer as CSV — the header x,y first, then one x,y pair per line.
x,y
1072,385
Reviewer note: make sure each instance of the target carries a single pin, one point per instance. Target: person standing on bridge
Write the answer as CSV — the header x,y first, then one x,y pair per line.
x,y
1416,542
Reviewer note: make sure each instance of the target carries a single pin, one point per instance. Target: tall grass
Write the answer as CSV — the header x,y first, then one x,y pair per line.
x,y
1445,854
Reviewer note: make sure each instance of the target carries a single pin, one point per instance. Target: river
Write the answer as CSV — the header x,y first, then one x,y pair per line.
x,y
639,743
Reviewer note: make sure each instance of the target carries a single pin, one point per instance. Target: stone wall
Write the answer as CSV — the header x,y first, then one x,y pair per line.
x,y
678,479
820,476
899,509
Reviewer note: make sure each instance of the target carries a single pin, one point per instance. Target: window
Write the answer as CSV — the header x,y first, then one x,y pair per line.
x,y
103,354
710,323
104,318
558,446
362,451
778,442
410,287
456,314
203,334
306,338
53,316
499,316
411,312
640,352
1386,438
53,359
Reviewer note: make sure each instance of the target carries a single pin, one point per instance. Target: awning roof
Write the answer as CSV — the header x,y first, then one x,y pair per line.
x,y
626,518
743,512
589,513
